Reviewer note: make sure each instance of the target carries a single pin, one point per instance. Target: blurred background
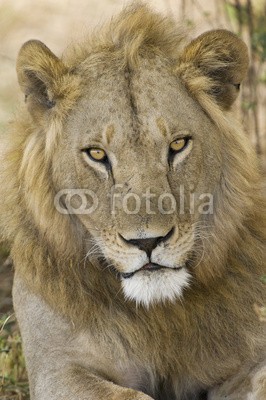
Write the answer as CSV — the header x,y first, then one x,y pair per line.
x,y
57,24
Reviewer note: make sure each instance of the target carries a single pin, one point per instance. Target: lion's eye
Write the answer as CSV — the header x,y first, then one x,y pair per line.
x,y
97,154
178,145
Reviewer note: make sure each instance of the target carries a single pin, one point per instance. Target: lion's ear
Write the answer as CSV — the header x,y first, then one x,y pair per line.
x,y
39,74
222,59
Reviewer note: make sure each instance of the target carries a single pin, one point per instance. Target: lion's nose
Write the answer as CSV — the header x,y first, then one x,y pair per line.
x,y
148,244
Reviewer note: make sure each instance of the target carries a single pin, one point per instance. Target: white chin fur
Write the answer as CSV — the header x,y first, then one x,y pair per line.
x,y
157,286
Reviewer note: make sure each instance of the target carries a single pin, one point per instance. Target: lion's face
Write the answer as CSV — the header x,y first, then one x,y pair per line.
x,y
152,177
135,157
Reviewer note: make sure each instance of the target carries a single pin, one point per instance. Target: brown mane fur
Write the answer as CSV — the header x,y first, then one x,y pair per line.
x,y
51,259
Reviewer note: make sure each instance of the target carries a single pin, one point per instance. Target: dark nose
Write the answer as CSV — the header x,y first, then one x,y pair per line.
x,y
149,244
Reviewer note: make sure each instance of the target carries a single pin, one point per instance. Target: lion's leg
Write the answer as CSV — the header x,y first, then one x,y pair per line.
x,y
77,383
259,384
246,386
59,366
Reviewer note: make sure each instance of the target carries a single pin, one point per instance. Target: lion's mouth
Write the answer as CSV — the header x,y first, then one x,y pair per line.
x,y
150,267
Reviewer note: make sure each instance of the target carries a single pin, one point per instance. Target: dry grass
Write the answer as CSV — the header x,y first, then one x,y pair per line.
x,y
13,377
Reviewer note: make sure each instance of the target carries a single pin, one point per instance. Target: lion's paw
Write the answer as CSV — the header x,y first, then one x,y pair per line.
x,y
129,394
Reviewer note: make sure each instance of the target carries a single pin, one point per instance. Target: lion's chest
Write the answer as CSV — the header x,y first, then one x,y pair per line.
x,y
124,367
159,388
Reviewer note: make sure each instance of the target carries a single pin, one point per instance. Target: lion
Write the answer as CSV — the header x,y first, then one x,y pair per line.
x,y
133,204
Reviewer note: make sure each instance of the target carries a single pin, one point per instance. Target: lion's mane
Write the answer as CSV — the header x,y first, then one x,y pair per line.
x,y
48,247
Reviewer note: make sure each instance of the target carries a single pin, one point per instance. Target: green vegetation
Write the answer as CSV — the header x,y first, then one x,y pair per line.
x,y
247,18
13,377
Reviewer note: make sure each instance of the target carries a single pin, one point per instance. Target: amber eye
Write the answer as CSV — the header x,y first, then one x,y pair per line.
x,y
178,145
97,154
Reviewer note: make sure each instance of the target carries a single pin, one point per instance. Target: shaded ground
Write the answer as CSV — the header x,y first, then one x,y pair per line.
x,y
13,378
6,274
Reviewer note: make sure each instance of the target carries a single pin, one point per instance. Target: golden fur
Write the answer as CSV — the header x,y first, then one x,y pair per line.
x,y
215,320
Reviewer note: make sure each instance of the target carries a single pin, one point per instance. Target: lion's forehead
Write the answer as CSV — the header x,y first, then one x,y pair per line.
x,y
147,103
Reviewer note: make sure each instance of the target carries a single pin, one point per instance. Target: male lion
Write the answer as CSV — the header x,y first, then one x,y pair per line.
x,y
132,201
